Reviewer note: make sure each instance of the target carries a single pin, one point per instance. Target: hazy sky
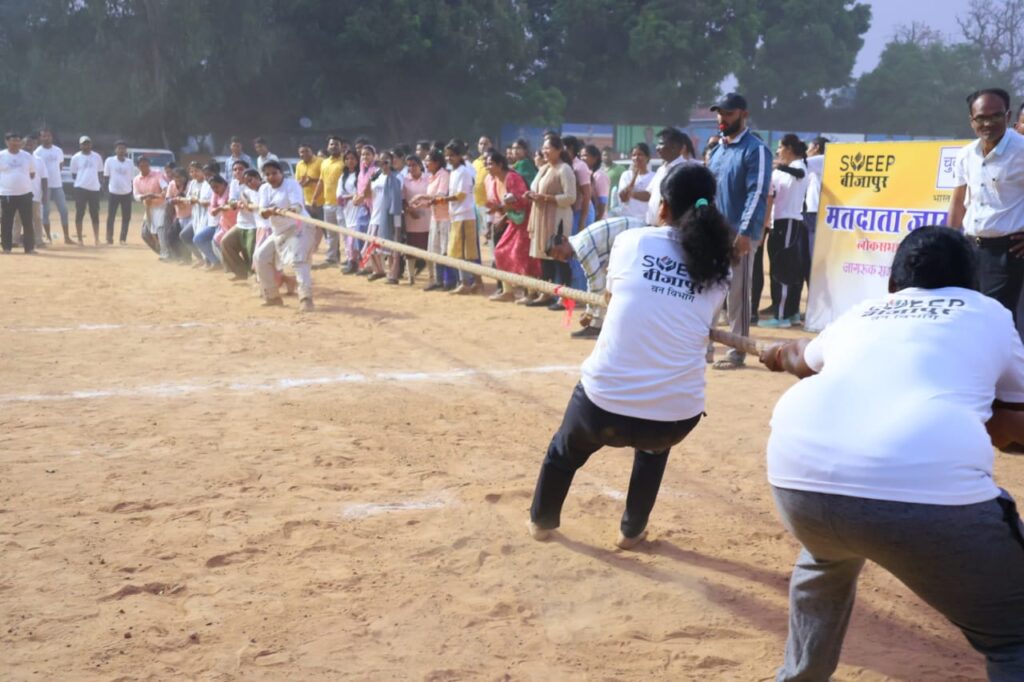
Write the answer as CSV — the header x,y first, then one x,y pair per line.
x,y
887,15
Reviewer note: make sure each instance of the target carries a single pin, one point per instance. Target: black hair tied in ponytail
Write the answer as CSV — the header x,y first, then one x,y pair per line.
x,y
689,193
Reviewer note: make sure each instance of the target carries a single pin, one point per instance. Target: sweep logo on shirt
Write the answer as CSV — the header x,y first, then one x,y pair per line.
x,y
671,273
915,309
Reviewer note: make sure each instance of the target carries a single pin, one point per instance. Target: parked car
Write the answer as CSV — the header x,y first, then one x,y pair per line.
x,y
288,164
158,158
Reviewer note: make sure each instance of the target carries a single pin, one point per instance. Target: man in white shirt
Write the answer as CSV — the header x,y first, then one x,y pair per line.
x,y
86,167
815,172
17,170
53,157
263,153
988,202
39,183
670,149
119,171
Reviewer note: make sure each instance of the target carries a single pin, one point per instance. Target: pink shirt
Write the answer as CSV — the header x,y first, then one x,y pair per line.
x,y
602,184
582,178
148,184
438,185
180,210
410,188
227,218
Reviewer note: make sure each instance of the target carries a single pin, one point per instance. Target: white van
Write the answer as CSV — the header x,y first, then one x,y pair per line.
x,y
158,158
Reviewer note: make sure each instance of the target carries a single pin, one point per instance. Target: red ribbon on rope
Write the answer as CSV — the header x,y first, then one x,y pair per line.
x,y
570,306
370,248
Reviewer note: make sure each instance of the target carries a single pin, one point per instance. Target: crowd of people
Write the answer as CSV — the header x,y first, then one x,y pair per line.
x,y
551,213
906,480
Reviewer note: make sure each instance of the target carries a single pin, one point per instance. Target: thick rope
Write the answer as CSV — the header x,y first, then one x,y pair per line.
x,y
742,343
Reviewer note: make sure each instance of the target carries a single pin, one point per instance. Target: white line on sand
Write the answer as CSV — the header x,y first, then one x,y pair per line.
x,y
274,385
103,327
362,510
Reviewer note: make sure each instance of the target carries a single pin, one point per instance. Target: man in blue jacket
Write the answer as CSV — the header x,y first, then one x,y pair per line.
x,y
743,166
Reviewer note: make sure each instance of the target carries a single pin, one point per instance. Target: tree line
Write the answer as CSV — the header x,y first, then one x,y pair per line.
x,y
159,70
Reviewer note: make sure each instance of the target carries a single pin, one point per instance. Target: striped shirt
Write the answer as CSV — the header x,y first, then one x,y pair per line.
x,y
593,245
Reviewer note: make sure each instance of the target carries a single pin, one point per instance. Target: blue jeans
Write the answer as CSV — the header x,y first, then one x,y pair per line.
x,y
56,195
966,562
203,240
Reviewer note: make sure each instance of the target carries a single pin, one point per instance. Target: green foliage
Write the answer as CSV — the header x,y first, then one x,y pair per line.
x,y
919,87
801,50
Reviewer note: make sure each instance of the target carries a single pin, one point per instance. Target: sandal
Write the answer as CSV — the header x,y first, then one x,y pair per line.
x,y
729,363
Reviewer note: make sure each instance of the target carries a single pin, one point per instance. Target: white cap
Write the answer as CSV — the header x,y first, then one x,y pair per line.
x,y
83,139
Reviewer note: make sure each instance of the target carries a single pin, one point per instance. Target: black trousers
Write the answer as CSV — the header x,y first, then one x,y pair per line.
x,y
1000,273
87,198
124,202
585,429
787,248
22,204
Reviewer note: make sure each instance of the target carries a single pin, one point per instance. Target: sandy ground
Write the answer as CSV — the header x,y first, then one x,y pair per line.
x,y
192,487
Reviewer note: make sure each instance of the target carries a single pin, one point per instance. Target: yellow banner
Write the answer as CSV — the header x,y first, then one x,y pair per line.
x,y
872,195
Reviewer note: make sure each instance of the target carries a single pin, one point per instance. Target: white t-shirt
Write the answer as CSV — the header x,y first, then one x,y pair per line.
x,y
288,195
37,181
247,219
789,193
53,158
461,180
16,173
119,174
634,208
815,171
87,169
260,160
898,409
654,203
649,360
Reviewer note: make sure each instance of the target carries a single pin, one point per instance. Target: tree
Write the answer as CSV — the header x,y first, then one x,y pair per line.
x,y
918,87
996,30
801,50
636,61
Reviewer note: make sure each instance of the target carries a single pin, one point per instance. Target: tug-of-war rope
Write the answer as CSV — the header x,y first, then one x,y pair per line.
x,y
741,343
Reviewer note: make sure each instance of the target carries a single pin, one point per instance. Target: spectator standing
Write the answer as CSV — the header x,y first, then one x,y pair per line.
x,y
636,180
17,169
53,156
119,172
742,164
815,172
86,167
326,192
671,143
39,186
988,202
237,154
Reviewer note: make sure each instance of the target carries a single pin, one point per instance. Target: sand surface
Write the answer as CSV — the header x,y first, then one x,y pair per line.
x,y
192,487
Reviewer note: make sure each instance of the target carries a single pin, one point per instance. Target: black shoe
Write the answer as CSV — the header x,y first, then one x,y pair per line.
x,y
348,269
587,333
556,306
433,287
534,303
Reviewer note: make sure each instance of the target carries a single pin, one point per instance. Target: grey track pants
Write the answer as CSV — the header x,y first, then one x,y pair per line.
x,y
967,562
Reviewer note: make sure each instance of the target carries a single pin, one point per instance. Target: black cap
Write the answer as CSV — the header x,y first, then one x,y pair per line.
x,y
730,102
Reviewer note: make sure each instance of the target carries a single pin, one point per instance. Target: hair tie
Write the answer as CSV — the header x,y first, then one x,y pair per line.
x,y
700,202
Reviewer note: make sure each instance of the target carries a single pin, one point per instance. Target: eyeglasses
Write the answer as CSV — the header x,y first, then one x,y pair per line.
x,y
991,118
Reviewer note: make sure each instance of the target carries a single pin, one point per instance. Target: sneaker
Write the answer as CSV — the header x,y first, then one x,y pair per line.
x,y
348,269
556,306
796,319
433,286
587,333
775,323
461,290
273,302
306,305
